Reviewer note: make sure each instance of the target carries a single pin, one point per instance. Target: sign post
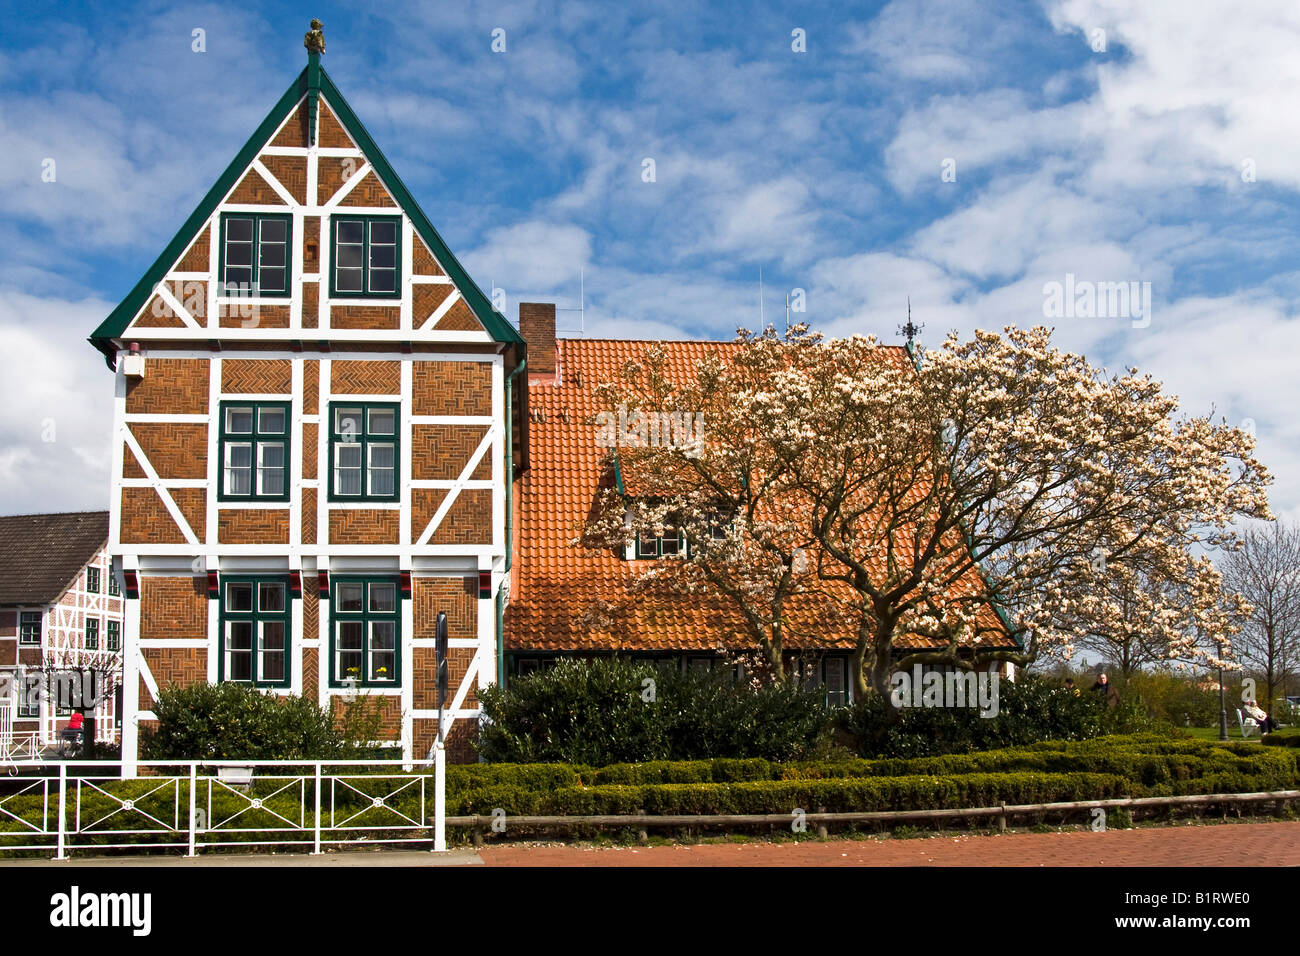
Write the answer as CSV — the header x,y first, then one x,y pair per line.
x,y
439,746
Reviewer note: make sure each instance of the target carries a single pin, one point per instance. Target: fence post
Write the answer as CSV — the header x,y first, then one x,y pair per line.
x,y
63,801
316,846
194,783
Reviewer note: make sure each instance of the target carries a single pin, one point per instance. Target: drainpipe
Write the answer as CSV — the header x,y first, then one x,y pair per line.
x,y
510,515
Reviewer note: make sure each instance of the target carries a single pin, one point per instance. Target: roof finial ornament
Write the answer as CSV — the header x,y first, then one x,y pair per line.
x,y
910,330
314,40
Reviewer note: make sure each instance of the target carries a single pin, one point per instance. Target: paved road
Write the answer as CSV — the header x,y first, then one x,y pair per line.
x,y
1270,844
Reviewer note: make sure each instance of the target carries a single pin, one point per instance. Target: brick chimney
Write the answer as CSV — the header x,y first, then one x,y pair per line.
x,y
537,326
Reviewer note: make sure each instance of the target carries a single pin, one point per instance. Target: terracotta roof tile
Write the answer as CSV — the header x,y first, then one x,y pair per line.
x,y
569,599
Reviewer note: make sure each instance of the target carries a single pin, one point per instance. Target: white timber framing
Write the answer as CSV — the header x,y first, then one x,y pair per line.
x,y
413,552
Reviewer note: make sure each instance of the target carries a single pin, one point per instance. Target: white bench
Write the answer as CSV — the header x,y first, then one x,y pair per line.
x,y
1247,724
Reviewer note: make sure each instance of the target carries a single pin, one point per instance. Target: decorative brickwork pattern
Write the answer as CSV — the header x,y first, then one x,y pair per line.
x,y
459,743
158,315
310,611
332,173
330,132
255,191
422,261
176,666
172,386
294,131
425,299
390,713
311,244
451,388
193,503
196,257
291,171
256,377
425,675
424,503
175,449
310,386
310,666
365,317
175,608
130,467
369,192
309,513
234,315
146,520
192,294
310,449
365,378
441,451
457,596
310,305
253,526
364,526
459,318
469,521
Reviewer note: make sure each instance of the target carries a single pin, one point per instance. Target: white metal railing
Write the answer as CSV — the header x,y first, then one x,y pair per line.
x,y
199,804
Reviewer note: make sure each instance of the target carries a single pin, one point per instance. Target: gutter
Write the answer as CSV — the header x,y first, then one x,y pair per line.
x,y
510,515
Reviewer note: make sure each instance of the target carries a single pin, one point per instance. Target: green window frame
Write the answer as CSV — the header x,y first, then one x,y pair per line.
x,y
29,701
366,256
92,634
29,628
92,580
253,451
365,631
668,544
255,621
365,451
114,639
256,254
113,589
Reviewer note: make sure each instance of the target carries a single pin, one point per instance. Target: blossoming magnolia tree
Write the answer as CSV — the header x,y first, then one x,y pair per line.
x,y
981,492
729,497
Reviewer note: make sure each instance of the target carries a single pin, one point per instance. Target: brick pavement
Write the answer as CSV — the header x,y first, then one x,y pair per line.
x,y
1267,844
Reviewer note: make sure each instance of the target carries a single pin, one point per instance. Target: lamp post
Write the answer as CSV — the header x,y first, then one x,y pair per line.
x,y
1223,712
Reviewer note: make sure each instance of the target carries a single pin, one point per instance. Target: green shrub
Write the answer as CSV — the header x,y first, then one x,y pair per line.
x,y
1031,708
614,710
233,721
1287,737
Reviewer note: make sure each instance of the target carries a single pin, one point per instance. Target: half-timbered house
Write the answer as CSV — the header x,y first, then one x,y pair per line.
x,y
315,432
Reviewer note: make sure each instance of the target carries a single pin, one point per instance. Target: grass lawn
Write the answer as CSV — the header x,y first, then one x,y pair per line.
x,y
1212,733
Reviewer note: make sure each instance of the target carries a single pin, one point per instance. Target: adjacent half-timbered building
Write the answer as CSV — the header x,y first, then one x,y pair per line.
x,y
315,432
60,626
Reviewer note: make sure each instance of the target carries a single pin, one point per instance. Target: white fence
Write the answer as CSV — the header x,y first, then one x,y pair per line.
x,y
195,805
16,746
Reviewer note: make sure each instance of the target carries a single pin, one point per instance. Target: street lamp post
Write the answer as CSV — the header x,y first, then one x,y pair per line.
x,y
1223,711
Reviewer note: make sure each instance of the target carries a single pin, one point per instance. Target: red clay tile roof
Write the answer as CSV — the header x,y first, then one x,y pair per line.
x,y
568,599
41,554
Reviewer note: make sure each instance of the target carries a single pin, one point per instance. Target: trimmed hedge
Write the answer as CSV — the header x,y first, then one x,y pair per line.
x,y
1287,737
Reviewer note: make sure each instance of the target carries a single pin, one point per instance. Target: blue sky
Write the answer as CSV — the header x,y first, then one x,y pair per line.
x,y
823,168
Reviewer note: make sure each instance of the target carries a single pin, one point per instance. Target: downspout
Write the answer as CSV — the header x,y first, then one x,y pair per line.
x,y
510,516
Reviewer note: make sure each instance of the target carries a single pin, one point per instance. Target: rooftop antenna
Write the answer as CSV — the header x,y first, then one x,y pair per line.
x,y
582,302
761,324
787,313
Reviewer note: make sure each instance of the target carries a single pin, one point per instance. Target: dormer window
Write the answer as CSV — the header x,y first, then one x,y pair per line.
x,y
668,543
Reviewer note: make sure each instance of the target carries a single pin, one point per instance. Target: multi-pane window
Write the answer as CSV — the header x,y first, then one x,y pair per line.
x,y
29,627
254,450
113,589
255,630
366,614
29,701
92,580
665,544
92,634
114,635
367,250
830,675
363,448
255,254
